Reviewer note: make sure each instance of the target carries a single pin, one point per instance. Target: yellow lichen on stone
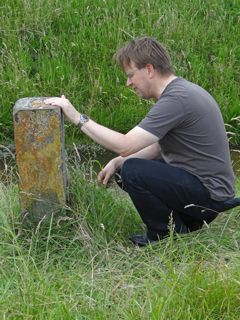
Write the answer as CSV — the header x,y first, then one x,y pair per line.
x,y
41,167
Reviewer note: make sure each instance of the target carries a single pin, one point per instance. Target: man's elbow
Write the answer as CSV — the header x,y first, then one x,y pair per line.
x,y
125,147
125,153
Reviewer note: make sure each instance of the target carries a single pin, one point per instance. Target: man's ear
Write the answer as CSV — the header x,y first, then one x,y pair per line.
x,y
150,70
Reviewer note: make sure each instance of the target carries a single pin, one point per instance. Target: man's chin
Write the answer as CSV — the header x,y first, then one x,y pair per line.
x,y
141,96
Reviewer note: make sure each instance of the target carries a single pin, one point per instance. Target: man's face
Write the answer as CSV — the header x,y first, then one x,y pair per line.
x,y
138,80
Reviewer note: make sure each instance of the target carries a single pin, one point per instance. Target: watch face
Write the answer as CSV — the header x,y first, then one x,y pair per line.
x,y
84,118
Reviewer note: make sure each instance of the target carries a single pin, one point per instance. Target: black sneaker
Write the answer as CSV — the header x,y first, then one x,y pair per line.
x,y
142,240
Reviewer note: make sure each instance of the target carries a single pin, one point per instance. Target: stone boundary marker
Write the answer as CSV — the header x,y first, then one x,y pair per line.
x,y
40,155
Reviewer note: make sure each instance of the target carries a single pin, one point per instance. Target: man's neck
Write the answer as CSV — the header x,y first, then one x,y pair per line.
x,y
162,83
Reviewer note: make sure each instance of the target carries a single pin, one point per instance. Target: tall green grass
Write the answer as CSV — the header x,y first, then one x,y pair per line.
x,y
53,47
85,268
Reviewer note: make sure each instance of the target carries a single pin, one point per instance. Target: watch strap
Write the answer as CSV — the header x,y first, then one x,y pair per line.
x,y
83,118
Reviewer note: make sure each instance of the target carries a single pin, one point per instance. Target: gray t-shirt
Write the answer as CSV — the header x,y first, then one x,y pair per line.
x,y
192,136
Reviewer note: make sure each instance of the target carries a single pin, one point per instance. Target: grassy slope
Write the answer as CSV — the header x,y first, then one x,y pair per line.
x,y
86,269
54,47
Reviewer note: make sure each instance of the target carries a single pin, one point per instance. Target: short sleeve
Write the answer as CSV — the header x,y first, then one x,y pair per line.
x,y
166,114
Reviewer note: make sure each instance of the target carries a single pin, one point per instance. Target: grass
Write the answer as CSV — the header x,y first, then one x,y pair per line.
x,y
85,268
51,47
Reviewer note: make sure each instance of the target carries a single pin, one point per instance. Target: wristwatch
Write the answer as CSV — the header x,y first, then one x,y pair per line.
x,y
83,119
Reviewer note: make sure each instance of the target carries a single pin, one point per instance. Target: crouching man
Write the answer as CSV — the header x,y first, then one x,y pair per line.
x,y
184,127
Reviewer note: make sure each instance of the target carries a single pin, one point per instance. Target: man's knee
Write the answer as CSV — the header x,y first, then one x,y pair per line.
x,y
128,167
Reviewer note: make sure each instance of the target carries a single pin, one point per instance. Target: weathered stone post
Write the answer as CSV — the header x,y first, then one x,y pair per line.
x,y
39,141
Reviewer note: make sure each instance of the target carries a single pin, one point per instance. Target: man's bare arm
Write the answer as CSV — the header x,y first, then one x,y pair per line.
x,y
125,145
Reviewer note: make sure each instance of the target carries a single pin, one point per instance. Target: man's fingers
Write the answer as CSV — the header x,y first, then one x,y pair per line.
x,y
103,178
50,101
54,101
106,179
100,176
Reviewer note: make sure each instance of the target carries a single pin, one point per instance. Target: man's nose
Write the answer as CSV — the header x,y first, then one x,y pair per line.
x,y
129,82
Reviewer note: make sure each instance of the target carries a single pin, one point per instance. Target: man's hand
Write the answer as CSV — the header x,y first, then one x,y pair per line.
x,y
106,174
67,108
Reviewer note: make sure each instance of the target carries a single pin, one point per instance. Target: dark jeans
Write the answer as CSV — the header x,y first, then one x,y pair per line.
x,y
160,191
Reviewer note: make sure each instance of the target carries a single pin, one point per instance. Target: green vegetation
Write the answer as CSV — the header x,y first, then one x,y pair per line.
x,y
84,267
50,47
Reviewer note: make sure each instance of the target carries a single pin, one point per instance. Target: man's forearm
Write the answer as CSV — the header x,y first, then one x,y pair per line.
x,y
125,145
106,137
150,152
